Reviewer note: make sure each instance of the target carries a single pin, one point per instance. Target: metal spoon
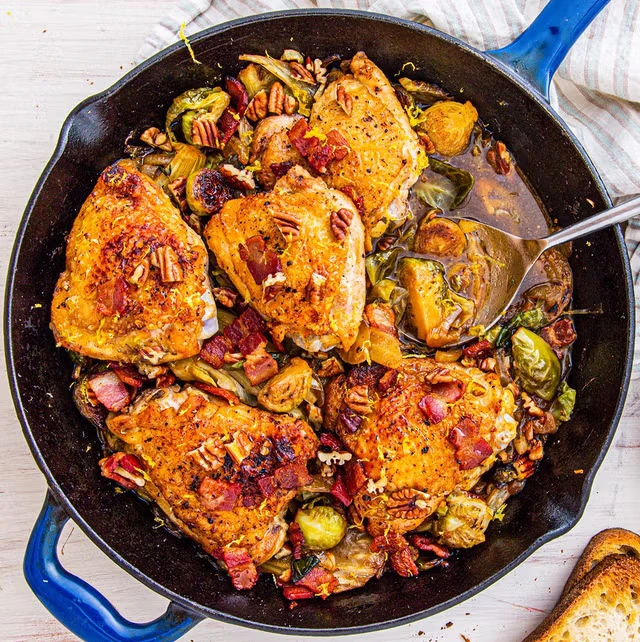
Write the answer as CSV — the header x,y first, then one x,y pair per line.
x,y
514,257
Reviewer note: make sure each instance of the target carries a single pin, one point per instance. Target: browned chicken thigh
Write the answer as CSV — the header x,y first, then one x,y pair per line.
x,y
222,472
383,162
135,288
296,254
419,432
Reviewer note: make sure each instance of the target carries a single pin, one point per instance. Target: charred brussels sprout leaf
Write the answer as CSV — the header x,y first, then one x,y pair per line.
x,y
302,566
288,388
424,92
563,404
355,563
323,527
530,319
536,364
204,99
96,415
379,265
461,180
255,78
186,161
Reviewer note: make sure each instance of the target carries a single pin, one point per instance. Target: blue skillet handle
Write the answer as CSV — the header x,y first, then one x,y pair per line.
x,y
78,606
537,53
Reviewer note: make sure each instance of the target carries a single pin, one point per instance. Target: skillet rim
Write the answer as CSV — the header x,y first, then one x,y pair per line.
x,y
12,374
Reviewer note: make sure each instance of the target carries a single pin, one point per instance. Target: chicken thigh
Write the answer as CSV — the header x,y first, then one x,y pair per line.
x,y
384,161
222,472
419,432
136,286
296,254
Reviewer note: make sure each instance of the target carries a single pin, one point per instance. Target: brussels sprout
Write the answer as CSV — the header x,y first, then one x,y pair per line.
x,y
536,364
438,314
186,161
439,237
301,89
380,264
256,78
563,404
203,99
97,414
354,561
288,388
445,187
464,522
207,192
530,319
382,290
449,126
424,92
323,527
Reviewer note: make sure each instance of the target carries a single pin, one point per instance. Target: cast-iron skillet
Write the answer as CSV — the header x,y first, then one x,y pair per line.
x,y
516,111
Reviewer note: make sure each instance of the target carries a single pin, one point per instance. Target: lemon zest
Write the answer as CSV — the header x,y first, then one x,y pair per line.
x,y
187,44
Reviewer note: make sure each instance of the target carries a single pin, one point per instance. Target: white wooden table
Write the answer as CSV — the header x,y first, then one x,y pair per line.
x,y
52,55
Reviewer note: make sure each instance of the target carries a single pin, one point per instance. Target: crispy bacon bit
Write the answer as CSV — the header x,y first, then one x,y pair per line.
x,y
340,222
426,543
260,366
238,94
111,296
331,441
399,553
478,350
339,146
293,475
450,391
298,136
218,495
339,490
217,392
499,158
280,169
214,349
225,296
434,408
252,342
123,468
350,420
358,201
267,485
128,374
471,449
353,476
297,539
293,592
228,123
559,334
242,570
318,582
387,381
165,380
318,155
109,390
261,261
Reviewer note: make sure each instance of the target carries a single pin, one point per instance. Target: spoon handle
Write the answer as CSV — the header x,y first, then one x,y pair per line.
x,y
609,217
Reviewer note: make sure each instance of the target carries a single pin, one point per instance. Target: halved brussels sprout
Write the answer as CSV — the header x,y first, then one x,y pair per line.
x,y
205,99
323,527
439,237
207,192
354,561
80,394
449,126
187,160
424,92
256,78
463,523
438,314
536,364
288,388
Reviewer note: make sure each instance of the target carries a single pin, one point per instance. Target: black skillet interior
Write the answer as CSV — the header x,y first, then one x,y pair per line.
x,y
552,500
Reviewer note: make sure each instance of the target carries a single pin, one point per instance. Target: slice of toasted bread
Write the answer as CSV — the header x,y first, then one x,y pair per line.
x,y
604,606
613,541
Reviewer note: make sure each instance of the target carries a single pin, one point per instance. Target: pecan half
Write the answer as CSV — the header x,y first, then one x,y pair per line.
x,y
340,222
154,137
530,406
225,296
140,273
499,158
178,190
316,286
300,71
288,224
344,100
237,178
240,447
166,259
427,143
276,99
408,503
257,108
290,105
385,242
330,367
358,399
210,454
488,364
319,71
204,132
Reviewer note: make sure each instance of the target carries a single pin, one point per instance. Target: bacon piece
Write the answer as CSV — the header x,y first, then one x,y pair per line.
x,y
298,136
478,350
109,390
318,155
399,553
331,441
280,169
293,592
251,343
266,485
214,349
387,381
297,539
353,476
111,296
242,570
217,392
339,490
260,366
261,261
124,468
350,420
318,582
471,449
227,124
238,93
251,321
358,201
426,543
559,334
165,380
338,144
293,475
217,494
434,408
450,391
128,374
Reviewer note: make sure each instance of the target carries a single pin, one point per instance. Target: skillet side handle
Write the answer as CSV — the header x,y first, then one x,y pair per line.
x,y
76,604
536,54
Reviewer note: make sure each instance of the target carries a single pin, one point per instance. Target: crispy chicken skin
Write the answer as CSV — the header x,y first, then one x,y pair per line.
x,y
410,465
308,283
383,162
181,437
135,288
271,146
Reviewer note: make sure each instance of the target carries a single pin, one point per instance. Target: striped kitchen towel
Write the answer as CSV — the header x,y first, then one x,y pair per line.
x,y
596,90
